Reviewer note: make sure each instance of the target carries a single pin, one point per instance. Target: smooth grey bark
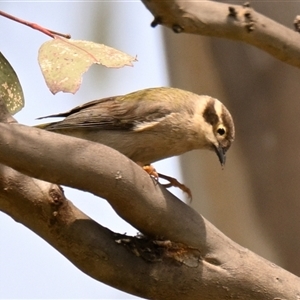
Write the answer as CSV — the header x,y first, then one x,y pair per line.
x,y
195,260
229,21
192,259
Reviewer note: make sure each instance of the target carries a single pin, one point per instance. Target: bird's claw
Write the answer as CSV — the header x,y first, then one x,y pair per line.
x,y
172,181
151,171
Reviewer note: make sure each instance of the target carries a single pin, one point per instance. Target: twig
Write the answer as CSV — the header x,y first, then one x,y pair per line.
x,y
46,31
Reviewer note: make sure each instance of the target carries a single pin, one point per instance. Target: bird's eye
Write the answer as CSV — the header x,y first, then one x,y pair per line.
x,y
221,130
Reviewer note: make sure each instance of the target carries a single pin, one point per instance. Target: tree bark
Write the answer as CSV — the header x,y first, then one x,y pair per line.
x,y
263,98
260,93
236,22
181,256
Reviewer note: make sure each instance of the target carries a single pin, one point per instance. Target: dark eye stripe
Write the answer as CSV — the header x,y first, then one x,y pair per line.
x,y
209,114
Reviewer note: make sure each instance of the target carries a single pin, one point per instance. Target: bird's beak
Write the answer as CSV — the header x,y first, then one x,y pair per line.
x,y
221,154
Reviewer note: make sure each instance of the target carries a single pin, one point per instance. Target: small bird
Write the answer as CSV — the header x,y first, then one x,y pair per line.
x,y
151,124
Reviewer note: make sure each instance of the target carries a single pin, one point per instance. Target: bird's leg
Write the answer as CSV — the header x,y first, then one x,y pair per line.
x,y
174,182
151,171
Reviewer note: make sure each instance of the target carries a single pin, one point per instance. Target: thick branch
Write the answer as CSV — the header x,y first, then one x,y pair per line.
x,y
211,266
41,207
106,173
228,21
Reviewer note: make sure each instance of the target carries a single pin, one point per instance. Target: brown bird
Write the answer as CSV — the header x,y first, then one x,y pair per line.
x,y
151,124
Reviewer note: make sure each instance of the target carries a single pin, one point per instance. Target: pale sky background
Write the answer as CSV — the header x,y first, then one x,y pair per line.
x,y
29,267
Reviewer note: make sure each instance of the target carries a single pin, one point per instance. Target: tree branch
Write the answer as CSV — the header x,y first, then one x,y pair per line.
x,y
234,22
203,262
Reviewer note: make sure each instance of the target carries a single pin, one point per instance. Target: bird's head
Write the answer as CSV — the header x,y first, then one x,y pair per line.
x,y
219,128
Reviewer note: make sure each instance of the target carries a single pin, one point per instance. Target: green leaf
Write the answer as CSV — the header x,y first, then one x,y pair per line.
x,y
10,88
63,62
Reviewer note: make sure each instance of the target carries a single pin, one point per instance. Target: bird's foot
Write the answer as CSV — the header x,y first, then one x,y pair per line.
x,y
174,182
151,171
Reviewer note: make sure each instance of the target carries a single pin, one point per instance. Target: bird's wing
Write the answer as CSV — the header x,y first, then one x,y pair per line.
x,y
78,108
115,113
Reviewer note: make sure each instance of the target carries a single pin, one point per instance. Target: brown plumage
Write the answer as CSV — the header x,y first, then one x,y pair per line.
x,y
151,124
